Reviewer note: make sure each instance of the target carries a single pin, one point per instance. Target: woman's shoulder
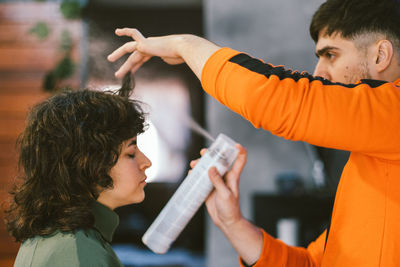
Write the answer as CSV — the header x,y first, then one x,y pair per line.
x,y
68,248
87,240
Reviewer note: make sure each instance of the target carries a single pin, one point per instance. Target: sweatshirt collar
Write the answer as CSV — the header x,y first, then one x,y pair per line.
x,y
106,220
396,82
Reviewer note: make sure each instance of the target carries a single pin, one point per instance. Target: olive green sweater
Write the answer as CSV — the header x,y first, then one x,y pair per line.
x,y
80,248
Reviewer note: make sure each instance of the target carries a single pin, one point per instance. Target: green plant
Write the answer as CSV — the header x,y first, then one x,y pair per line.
x,y
71,9
65,67
41,30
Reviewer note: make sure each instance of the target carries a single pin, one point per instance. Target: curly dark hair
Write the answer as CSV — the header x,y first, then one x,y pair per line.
x,y
70,143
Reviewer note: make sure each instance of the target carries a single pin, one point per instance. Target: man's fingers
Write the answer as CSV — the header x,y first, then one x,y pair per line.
x,y
139,64
240,161
233,176
133,60
134,33
122,50
129,47
202,151
211,208
218,182
193,163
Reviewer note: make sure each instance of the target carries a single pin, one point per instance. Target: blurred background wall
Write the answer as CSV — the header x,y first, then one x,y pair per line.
x,y
278,185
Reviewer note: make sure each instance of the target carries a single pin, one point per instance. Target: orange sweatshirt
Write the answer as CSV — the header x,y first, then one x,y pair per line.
x,y
363,118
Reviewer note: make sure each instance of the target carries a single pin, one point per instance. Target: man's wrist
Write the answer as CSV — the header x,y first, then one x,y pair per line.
x,y
194,50
246,238
182,43
234,225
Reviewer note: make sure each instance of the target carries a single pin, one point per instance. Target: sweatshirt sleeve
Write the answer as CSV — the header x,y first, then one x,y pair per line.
x,y
361,117
276,253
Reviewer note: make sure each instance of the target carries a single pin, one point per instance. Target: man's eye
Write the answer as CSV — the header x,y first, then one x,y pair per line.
x,y
131,155
329,55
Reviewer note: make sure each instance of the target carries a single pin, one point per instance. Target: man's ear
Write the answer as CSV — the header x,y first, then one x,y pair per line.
x,y
384,55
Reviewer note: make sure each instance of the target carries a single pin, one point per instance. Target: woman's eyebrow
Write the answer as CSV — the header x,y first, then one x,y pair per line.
x,y
133,143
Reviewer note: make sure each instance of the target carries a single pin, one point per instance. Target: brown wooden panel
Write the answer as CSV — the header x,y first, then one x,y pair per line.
x,y
5,198
29,83
19,103
24,61
19,59
8,149
7,260
17,34
8,246
10,127
28,59
17,83
8,172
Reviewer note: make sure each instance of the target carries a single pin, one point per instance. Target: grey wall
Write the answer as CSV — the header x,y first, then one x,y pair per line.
x,y
277,32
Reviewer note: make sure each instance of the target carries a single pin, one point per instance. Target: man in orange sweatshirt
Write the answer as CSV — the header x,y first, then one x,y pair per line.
x,y
352,102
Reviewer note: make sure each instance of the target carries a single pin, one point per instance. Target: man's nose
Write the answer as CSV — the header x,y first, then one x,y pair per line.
x,y
321,71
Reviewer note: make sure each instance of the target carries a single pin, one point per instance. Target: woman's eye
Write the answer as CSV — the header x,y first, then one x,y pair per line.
x,y
131,156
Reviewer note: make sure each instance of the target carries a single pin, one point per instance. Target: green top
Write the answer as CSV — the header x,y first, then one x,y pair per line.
x,y
69,249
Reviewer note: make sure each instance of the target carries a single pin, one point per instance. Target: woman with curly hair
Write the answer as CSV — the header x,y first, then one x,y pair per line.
x,y
80,161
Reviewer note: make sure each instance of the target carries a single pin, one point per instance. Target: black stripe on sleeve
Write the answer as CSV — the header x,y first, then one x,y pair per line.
x,y
267,70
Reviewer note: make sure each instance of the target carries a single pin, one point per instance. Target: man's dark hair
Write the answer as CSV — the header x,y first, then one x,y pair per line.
x,y
67,149
351,18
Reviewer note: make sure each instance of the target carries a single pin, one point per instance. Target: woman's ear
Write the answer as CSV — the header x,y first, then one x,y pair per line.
x,y
384,55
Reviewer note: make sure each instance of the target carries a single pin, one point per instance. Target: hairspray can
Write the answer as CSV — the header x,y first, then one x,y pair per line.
x,y
190,195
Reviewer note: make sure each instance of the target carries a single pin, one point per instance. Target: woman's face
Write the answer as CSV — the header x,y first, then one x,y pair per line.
x,y
128,176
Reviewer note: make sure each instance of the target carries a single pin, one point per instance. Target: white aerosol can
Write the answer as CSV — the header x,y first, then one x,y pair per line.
x,y
190,195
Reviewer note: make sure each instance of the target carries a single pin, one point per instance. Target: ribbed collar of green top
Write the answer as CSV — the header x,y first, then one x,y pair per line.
x,y
106,220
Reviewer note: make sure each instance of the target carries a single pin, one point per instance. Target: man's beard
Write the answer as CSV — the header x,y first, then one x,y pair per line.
x,y
362,73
